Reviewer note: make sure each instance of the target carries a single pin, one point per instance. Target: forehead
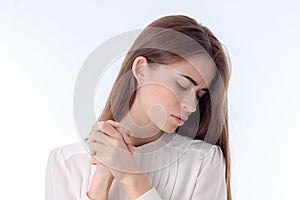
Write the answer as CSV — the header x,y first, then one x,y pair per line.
x,y
201,68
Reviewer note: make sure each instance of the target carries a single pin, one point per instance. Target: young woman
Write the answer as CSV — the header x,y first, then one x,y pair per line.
x,y
163,133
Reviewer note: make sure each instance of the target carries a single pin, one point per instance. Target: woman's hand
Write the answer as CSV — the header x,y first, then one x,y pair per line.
x,y
110,145
102,178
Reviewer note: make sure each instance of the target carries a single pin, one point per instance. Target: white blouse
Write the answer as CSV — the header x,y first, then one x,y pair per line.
x,y
177,167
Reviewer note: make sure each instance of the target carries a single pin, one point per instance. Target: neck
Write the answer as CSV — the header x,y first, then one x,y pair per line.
x,y
135,141
140,134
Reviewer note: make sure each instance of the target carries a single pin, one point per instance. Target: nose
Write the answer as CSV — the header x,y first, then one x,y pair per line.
x,y
189,102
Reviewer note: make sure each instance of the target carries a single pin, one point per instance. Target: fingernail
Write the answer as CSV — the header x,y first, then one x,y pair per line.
x,y
127,139
131,150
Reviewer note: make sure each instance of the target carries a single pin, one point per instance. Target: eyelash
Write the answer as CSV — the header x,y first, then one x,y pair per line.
x,y
183,88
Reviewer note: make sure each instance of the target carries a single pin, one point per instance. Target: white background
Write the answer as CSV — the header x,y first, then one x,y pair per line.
x,y
44,43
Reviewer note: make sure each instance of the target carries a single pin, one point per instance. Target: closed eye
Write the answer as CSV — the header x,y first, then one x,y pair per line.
x,y
198,97
185,88
181,86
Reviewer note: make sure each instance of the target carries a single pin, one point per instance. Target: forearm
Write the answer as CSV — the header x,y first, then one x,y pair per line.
x,y
99,188
135,185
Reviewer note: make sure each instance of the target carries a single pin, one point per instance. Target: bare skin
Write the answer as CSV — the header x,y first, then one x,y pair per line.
x,y
151,115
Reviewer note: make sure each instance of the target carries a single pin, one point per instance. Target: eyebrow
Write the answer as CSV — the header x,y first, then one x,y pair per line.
x,y
193,81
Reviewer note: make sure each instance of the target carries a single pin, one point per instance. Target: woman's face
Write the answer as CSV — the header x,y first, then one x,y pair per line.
x,y
169,94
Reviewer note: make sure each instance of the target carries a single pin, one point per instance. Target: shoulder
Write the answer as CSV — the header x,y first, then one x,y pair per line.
x,y
198,148
68,169
69,152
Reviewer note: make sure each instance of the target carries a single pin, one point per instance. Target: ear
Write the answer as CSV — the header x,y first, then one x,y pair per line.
x,y
139,67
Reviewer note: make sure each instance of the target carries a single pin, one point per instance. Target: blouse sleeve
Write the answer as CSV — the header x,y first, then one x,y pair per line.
x,y
211,182
150,195
57,185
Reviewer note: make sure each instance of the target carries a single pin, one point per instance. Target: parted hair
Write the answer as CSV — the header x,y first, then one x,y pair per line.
x,y
212,106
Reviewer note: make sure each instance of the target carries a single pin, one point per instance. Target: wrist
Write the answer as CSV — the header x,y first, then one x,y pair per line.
x,y
102,175
102,179
99,187
135,185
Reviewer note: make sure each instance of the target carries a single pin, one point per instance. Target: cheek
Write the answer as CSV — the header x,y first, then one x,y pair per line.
x,y
159,103
156,95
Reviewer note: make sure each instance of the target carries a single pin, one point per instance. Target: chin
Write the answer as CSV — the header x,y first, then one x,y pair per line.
x,y
170,128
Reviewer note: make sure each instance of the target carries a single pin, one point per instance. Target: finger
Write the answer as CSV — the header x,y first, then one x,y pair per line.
x,y
130,148
128,143
96,127
120,129
125,135
96,148
101,138
108,129
117,126
124,130
113,123
93,161
98,137
125,138
111,128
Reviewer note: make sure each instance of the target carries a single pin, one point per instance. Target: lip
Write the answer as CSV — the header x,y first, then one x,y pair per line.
x,y
180,120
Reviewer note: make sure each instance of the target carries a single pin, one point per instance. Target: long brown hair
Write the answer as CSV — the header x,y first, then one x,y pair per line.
x,y
120,98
